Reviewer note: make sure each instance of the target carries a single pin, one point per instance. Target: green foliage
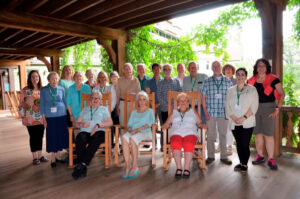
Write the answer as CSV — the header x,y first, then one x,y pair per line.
x,y
213,35
295,4
291,99
82,54
65,59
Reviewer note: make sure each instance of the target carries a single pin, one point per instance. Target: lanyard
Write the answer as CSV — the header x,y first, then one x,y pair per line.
x,y
218,85
238,94
193,83
53,95
92,113
102,90
182,115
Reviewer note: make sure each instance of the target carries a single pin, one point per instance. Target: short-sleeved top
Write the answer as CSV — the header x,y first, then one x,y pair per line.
x,y
94,116
65,84
127,86
162,91
29,109
215,98
74,98
46,103
138,120
263,98
152,85
193,84
184,125
143,82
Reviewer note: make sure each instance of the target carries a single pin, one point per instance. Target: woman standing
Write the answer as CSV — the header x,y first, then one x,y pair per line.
x,y
138,129
90,75
114,77
53,111
269,91
66,81
241,106
31,117
74,96
185,122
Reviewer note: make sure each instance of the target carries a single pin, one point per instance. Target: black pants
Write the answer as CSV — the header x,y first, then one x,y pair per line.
x,y
86,153
115,119
36,134
164,117
242,137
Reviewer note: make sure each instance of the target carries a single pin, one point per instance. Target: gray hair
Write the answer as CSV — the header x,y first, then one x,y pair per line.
x,y
96,92
114,73
168,65
142,93
144,66
52,73
128,64
181,95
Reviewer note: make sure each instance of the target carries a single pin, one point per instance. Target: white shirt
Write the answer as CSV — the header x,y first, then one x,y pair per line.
x,y
248,99
184,125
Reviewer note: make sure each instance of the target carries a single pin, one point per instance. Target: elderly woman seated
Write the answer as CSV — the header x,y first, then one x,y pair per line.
x,y
91,121
183,132
138,129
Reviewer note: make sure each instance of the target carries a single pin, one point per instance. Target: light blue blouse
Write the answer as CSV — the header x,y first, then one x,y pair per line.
x,y
66,84
46,102
93,116
137,120
74,98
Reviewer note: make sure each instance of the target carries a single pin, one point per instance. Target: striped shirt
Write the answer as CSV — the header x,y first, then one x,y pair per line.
x,y
162,91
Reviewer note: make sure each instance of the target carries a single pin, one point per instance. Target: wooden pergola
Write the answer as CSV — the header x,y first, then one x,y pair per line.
x,y
42,28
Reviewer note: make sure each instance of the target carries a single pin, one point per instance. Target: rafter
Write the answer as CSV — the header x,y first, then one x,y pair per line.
x,y
30,51
56,26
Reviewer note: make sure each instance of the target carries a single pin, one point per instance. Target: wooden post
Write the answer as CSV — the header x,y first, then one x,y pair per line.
x,y
22,69
272,44
45,61
55,63
119,47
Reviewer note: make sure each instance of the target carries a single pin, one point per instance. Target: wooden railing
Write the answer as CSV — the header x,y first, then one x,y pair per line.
x,y
290,133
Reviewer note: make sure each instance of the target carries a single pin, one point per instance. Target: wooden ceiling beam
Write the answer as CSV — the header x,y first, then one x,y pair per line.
x,y
48,40
56,26
146,11
23,51
102,8
171,12
24,37
122,11
8,62
12,4
37,38
52,7
76,8
29,6
11,35
67,39
71,43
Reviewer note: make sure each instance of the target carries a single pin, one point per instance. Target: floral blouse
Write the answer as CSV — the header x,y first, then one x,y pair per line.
x,y
30,107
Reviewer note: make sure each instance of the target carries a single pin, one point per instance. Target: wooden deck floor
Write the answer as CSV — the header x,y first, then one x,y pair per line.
x,y
19,179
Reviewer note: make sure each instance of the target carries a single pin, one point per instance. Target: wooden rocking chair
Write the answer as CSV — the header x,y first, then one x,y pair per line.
x,y
200,145
85,100
130,99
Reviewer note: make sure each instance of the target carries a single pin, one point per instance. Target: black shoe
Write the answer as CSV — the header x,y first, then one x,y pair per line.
x,y
209,160
186,176
44,159
238,167
178,175
226,161
53,164
79,171
36,162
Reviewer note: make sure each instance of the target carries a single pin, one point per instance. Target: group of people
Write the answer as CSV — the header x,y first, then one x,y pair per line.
x,y
230,106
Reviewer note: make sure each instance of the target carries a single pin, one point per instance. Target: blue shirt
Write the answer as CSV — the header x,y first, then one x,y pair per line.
x,y
138,120
93,116
151,84
162,92
143,82
47,104
216,105
74,98
66,84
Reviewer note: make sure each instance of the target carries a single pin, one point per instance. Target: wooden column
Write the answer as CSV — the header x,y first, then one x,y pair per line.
x,y
55,63
272,43
22,70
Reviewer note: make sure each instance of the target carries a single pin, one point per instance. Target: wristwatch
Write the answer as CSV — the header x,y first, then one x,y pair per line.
x,y
245,116
98,125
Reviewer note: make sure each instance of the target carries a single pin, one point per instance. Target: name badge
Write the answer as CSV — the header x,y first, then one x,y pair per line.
x,y
53,109
238,107
219,96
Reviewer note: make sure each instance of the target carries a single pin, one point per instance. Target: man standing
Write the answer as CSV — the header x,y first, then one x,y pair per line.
x,y
168,83
141,69
194,82
213,100
181,74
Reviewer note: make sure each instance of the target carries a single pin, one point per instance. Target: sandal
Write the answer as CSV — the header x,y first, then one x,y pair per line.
x,y
186,175
178,175
36,162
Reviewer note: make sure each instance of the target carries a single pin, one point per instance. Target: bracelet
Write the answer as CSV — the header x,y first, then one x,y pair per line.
x,y
245,116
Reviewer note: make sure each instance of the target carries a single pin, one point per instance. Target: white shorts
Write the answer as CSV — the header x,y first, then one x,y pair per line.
x,y
138,137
